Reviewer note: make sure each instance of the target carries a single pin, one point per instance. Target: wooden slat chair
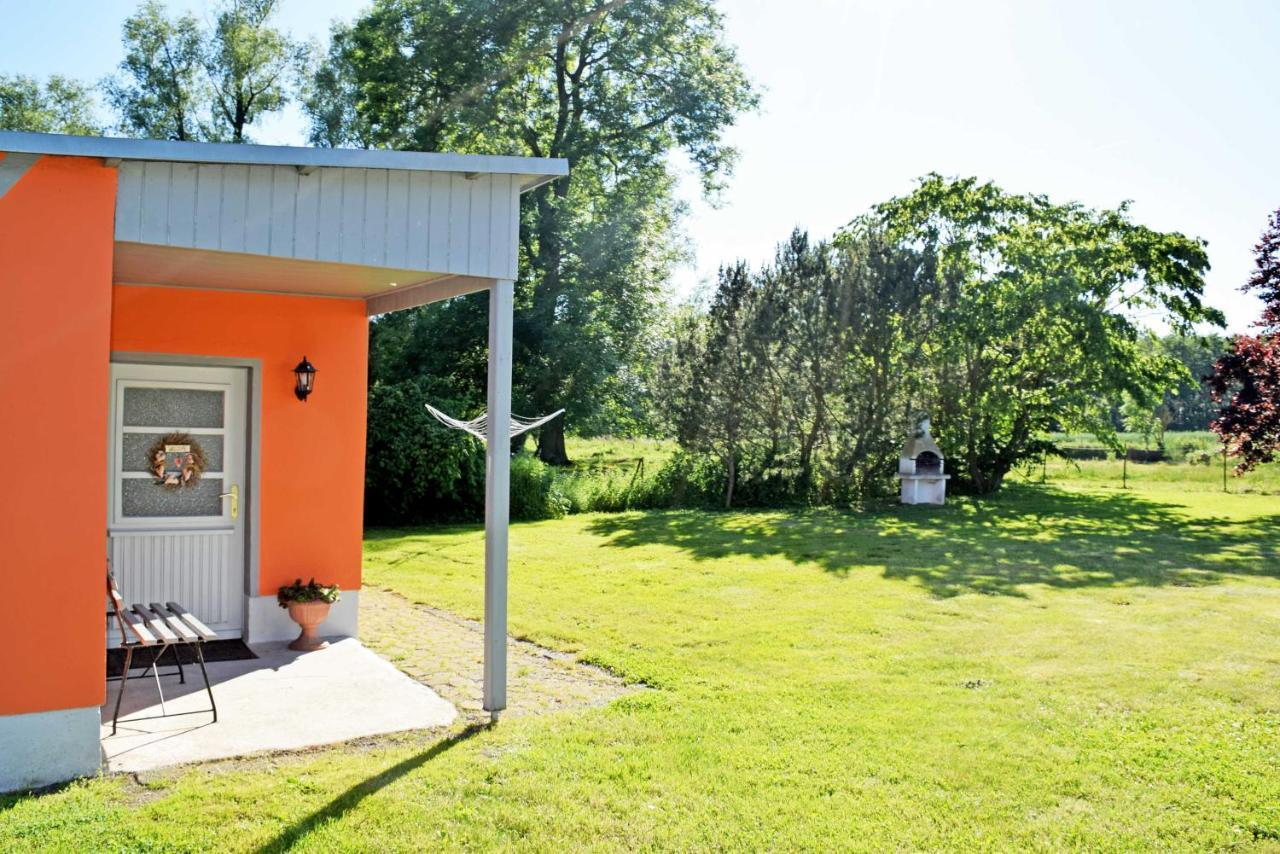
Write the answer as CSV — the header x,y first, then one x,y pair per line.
x,y
158,627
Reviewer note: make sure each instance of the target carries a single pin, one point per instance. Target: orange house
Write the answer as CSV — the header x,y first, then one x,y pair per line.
x,y
152,288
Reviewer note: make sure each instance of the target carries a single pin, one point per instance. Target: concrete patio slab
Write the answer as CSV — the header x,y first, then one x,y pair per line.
x,y
280,701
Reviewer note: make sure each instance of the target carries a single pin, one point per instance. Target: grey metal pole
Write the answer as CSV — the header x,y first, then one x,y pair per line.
x,y
497,497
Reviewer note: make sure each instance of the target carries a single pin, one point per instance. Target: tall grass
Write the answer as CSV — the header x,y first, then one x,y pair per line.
x,y
611,475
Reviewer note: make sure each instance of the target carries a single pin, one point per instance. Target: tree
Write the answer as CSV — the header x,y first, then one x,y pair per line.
x,y
180,80
794,335
160,91
890,321
614,87
248,63
1148,422
1246,379
417,471
1039,301
715,372
59,105
797,379
1190,405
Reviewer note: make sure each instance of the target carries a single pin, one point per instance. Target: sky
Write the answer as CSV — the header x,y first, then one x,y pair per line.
x,y
1170,104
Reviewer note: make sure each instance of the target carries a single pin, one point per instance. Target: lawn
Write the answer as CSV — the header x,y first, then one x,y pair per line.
x,y
1154,479
1058,668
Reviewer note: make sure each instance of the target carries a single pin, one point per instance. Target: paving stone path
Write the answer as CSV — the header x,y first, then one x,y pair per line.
x,y
446,653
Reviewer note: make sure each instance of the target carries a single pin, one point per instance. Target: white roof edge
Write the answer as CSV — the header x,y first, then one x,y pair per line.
x,y
535,170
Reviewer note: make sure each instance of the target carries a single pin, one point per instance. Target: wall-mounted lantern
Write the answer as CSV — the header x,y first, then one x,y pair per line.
x,y
306,374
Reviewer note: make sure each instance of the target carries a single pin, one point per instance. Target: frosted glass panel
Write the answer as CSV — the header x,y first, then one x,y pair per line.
x,y
143,496
172,407
134,447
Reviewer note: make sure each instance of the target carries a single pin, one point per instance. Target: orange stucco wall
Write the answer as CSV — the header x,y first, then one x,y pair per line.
x,y
55,313
312,454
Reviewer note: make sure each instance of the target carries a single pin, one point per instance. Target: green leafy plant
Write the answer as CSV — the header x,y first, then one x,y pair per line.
x,y
309,592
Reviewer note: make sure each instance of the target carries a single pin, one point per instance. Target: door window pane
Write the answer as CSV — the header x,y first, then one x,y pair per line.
x,y
182,408
145,497
134,447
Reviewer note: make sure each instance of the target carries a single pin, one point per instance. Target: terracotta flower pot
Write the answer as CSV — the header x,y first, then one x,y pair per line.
x,y
308,615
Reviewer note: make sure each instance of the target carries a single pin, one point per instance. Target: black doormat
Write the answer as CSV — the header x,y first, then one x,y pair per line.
x,y
219,650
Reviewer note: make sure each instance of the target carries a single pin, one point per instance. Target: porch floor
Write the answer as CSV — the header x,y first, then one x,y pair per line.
x,y
282,700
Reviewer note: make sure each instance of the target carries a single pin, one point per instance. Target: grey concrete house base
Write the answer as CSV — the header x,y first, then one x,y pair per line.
x,y
282,700
48,747
269,622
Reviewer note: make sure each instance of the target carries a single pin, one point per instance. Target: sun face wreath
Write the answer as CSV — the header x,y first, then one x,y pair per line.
x,y
176,460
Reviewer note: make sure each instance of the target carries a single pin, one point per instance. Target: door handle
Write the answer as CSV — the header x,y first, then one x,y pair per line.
x,y
234,495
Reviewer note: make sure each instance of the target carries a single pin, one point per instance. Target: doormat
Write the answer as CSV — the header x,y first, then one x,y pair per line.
x,y
219,650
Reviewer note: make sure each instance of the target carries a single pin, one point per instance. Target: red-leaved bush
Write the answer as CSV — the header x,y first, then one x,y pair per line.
x,y
1246,380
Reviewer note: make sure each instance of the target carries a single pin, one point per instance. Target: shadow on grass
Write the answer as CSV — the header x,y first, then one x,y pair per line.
x,y
1026,536
348,800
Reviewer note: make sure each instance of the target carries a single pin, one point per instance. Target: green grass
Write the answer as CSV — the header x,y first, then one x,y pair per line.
x,y
1175,440
1154,478
1056,668
604,451
1185,470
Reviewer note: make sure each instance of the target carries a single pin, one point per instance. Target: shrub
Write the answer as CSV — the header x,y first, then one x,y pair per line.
x,y
1084,453
684,480
417,470
534,491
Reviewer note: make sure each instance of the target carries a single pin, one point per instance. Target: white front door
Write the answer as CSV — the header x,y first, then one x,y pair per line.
x,y
180,542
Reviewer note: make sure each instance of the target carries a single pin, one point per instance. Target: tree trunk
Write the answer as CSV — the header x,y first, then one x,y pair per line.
x,y
551,448
732,464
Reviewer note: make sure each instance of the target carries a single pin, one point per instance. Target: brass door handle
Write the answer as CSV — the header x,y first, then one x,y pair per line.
x,y
234,495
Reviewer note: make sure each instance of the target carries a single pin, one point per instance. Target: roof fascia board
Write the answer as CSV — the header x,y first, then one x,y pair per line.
x,y
538,170
435,290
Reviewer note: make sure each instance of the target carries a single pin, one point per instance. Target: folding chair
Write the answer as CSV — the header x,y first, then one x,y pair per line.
x,y
160,628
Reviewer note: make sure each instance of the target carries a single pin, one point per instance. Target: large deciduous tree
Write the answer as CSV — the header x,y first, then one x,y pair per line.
x,y
159,92
248,63
1040,301
613,86
59,105
1246,379
185,81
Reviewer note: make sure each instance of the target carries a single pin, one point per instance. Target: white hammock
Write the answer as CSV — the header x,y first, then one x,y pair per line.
x,y
478,426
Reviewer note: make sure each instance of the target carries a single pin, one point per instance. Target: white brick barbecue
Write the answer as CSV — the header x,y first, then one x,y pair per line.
x,y
920,469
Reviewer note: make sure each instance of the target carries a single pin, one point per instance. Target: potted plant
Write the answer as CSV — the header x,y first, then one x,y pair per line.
x,y
308,606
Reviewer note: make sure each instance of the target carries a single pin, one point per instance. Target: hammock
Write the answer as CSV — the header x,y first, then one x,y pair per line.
x,y
478,426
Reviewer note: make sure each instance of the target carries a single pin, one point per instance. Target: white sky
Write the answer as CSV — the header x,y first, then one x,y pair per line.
x,y
1171,104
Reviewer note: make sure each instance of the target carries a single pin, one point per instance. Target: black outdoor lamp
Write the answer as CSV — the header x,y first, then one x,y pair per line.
x,y
306,374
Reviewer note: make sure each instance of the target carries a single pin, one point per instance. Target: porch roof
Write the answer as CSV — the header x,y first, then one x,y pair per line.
x,y
392,228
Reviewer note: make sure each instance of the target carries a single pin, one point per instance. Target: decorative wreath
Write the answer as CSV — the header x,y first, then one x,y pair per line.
x,y
176,460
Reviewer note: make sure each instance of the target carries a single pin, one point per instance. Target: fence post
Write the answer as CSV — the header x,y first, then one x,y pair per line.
x,y
1224,466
